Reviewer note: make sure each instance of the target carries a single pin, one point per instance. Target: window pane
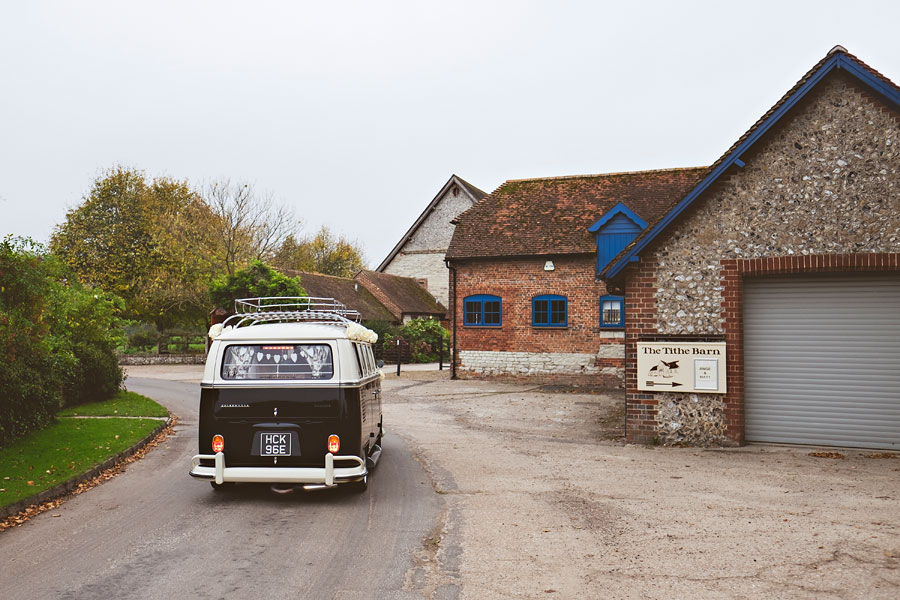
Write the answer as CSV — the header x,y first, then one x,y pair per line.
x,y
558,312
282,361
540,312
612,312
473,313
492,312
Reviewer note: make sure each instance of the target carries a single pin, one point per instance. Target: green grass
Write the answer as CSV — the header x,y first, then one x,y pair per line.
x,y
70,447
125,404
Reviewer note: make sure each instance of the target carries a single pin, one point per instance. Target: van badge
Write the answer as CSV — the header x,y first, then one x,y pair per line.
x,y
276,411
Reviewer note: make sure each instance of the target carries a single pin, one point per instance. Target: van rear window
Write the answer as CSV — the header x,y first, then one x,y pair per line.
x,y
278,361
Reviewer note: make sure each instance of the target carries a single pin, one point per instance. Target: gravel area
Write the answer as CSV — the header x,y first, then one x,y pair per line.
x,y
543,500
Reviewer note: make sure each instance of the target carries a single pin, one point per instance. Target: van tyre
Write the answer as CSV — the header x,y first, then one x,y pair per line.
x,y
221,487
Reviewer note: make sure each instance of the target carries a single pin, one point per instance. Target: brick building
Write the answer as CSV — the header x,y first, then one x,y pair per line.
x,y
773,285
524,292
420,252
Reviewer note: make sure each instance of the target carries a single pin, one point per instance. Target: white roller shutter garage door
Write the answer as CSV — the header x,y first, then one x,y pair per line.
x,y
822,360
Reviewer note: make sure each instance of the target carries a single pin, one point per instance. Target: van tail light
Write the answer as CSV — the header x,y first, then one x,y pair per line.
x,y
218,443
334,443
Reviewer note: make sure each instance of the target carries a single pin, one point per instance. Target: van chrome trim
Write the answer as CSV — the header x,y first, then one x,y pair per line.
x,y
328,476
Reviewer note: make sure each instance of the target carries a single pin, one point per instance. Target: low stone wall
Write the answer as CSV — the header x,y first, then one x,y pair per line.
x,y
557,366
162,359
691,420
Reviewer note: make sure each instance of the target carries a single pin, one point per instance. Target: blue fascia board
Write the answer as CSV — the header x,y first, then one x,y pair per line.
x,y
619,208
839,60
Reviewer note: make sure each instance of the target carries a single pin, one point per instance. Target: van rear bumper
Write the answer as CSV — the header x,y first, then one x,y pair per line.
x,y
329,475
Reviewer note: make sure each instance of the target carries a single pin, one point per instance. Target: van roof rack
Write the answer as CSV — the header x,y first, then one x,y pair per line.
x,y
290,309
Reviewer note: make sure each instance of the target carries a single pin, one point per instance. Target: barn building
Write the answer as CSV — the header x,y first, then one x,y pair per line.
x,y
777,279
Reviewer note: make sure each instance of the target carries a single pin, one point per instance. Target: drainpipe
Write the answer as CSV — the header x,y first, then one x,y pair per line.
x,y
453,309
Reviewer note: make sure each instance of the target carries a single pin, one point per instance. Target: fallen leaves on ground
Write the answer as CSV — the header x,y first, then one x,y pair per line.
x,y
119,467
882,455
827,455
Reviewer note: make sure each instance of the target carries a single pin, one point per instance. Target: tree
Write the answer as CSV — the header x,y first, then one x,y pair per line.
x,y
150,243
57,339
106,240
256,281
320,254
250,226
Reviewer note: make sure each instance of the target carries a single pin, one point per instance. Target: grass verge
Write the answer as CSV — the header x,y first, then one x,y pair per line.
x,y
125,404
71,447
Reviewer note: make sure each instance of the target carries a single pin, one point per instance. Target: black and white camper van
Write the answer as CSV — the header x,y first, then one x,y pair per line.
x,y
291,396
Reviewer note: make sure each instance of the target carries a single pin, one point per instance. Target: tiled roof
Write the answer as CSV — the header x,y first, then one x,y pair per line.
x,y
348,291
530,217
837,58
402,295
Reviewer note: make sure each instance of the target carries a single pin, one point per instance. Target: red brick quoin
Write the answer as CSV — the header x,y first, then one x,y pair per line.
x,y
640,305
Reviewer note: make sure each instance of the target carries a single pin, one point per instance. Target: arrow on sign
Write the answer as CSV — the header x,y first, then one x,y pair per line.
x,y
674,384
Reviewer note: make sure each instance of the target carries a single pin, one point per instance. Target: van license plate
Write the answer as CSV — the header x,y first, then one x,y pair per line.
x,y
275,444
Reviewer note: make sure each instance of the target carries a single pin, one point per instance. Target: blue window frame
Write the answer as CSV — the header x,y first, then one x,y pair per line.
x,y
483,310
549,311
612,311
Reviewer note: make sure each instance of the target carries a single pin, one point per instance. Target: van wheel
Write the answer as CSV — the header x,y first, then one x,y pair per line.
x,y
221,487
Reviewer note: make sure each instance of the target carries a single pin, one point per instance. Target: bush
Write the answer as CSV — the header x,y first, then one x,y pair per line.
x,y
142,336
424,336
57,339
32,373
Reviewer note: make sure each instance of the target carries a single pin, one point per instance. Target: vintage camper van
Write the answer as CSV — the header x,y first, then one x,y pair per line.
x,y
291,397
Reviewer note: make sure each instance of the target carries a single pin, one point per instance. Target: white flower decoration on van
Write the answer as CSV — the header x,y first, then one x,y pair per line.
x,y
217,330
361,334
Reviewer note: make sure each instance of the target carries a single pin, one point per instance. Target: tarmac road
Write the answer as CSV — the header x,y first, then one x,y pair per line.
x,y
154,532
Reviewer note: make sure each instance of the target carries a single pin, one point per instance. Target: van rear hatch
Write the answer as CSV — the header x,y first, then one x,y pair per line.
x,y
283,403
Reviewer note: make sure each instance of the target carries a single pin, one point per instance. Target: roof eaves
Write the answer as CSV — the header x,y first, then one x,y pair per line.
x,y
428,209
836,59
619,209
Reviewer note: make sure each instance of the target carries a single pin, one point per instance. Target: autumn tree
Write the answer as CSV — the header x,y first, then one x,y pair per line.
x,y
250,226
150,243
322,253
256,281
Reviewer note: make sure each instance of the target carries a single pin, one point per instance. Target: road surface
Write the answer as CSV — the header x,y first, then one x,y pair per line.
x,y
154,532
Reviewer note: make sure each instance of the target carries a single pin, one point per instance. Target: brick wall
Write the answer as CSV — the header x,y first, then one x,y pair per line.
x,y
580,353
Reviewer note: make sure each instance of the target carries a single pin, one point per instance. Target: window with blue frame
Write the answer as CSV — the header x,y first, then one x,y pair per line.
x,y
550,311
482,310
612,311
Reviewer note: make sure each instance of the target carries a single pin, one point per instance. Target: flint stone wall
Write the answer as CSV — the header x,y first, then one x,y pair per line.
x,y
162,359
422,256
827,182
429,266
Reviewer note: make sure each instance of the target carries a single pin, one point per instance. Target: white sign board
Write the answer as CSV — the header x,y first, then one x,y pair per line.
x,y
681,367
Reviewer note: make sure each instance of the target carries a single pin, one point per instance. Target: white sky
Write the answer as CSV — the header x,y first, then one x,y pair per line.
x,y
356,113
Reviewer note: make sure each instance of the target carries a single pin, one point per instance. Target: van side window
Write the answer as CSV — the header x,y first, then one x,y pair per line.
x,y
360,359
371,358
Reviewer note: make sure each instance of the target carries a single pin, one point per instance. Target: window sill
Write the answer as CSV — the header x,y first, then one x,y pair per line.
x,y
549,326
482,326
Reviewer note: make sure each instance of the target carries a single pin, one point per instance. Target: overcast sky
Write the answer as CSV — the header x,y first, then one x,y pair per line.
x,y
356,113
